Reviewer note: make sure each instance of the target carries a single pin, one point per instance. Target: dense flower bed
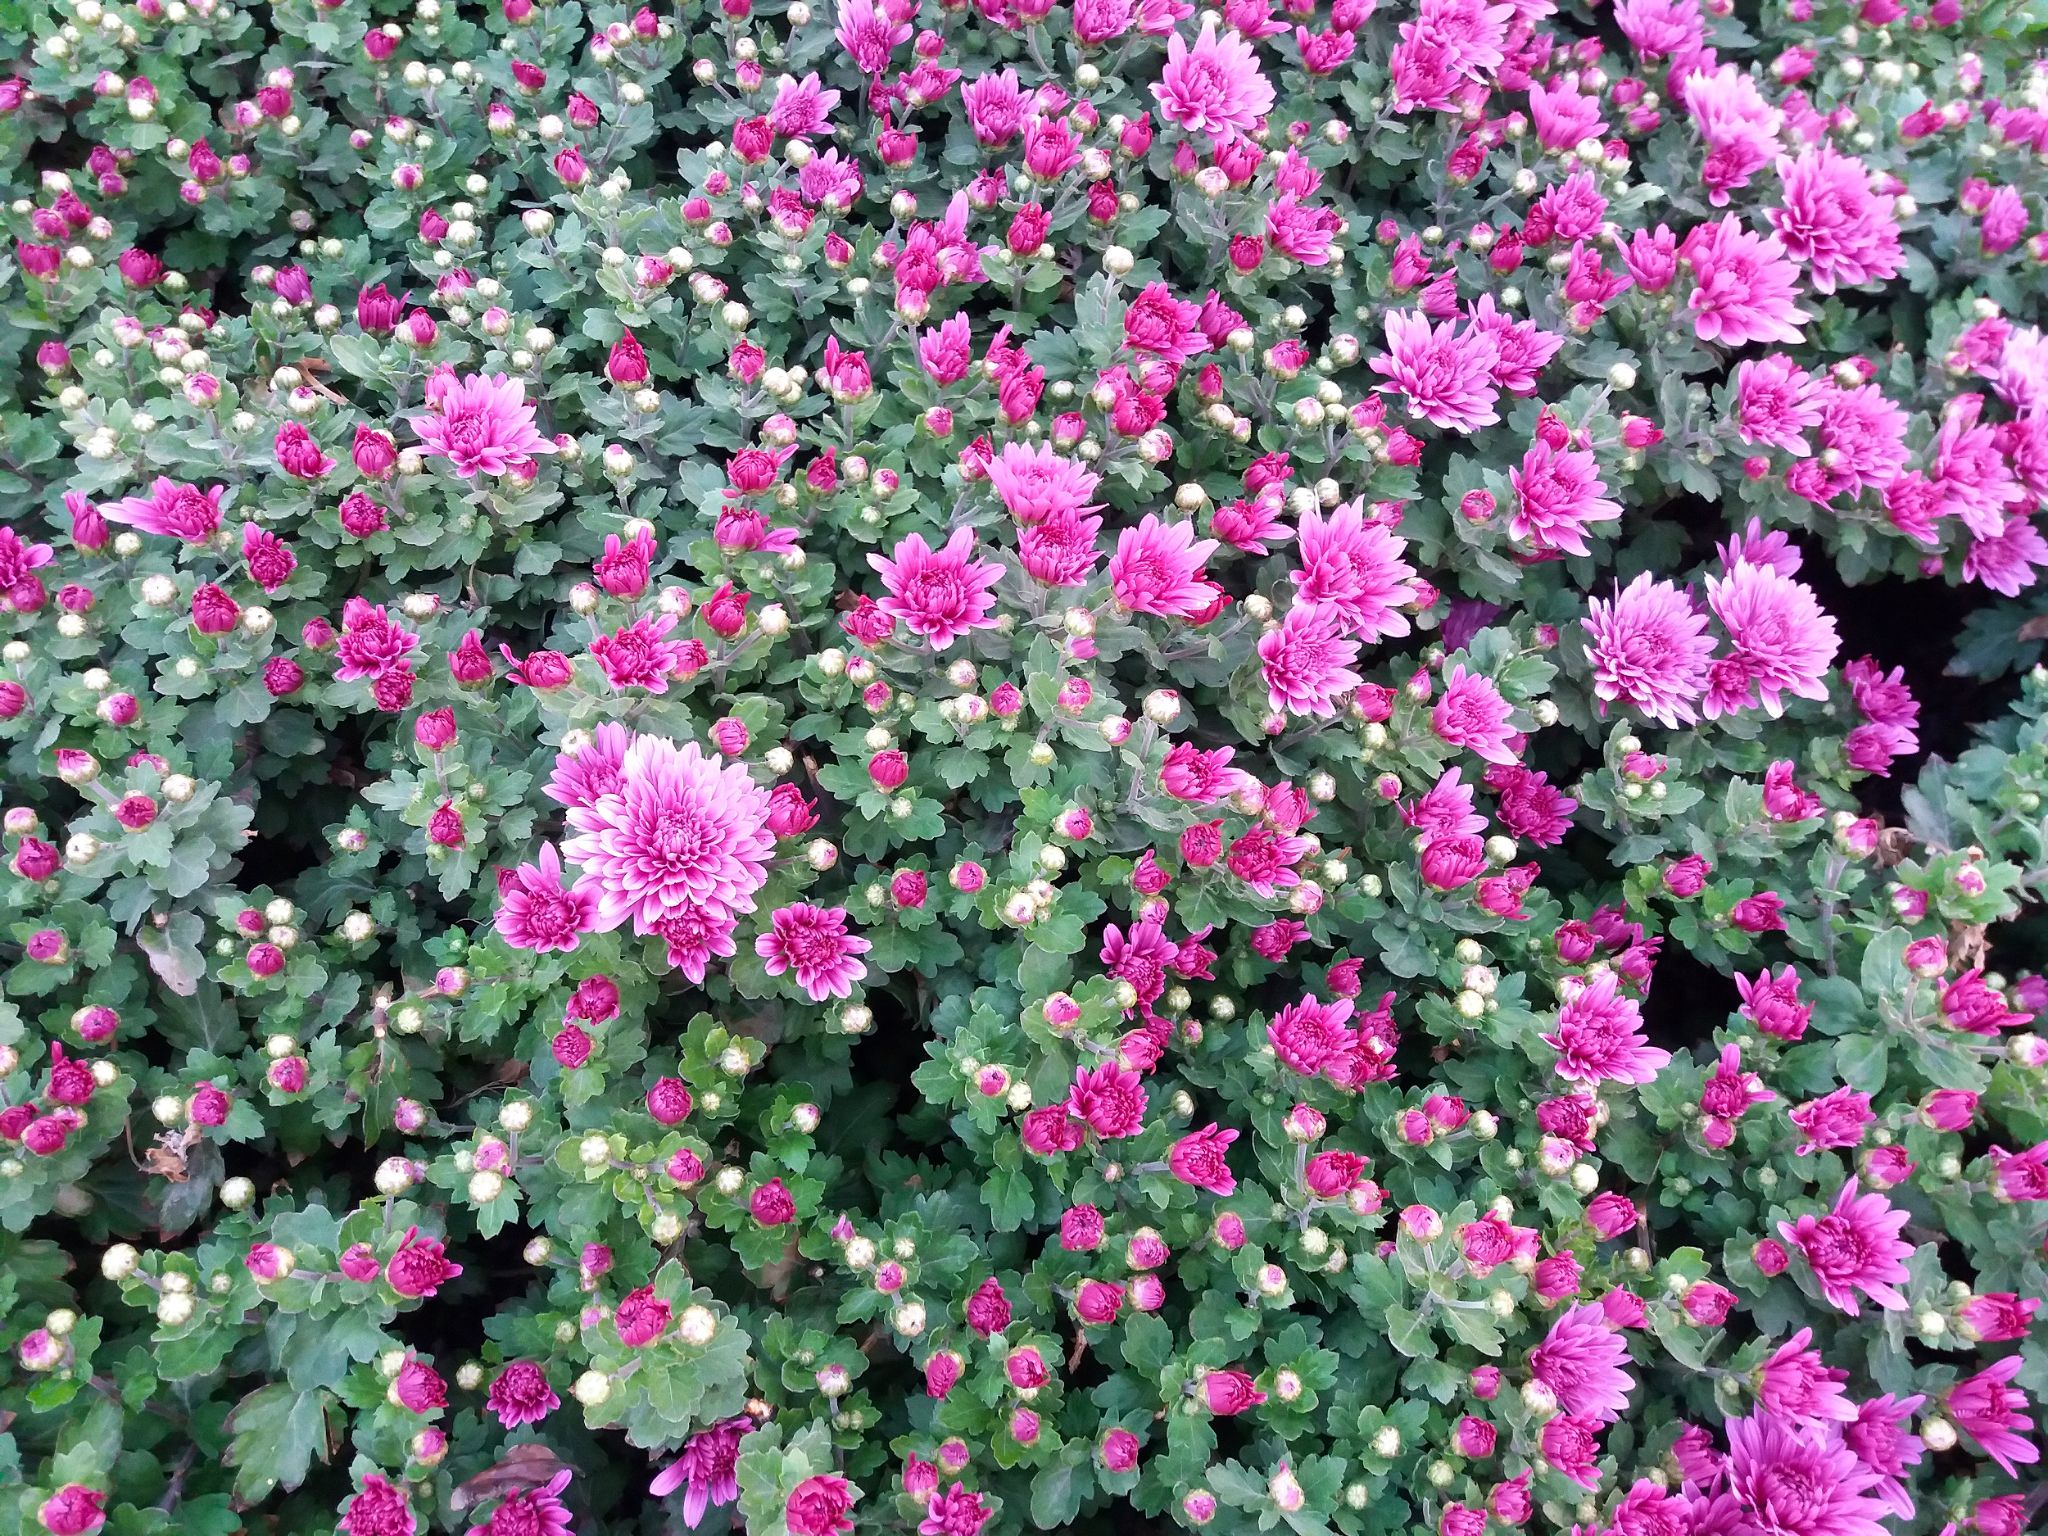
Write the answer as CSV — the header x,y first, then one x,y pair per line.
x,y
818,767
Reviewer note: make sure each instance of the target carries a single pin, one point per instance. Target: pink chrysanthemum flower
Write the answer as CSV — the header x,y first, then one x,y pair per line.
x,y
1444,373
1355,568
1792,1481
708,1467
682,830
1795,1383
1061,551
1738,126
586,776
172,510
537,911
941,593
1855,1247
1471,714
1445,810
638,655
1571,1445
2006,563
1993,1412
484,425
1649,647
1878,1437
1307,661
1832,221
1776,403
1580,1360
1657,29
1213,86
520,1394
1035,482
1744,285
1558,494
1110,1098
1781,642
1599,1036
531,1512
813,942
1157,569
696,936
1159,325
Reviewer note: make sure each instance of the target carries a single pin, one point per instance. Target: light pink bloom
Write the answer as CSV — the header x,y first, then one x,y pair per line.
x,y
1835,1119
1649,647
941,593
1445,374
1581,1360
1855,1247
1213,87
1035,482
582,778
537,911
1833,222
1780,641
1599,1036
484,425
1356,568
1110,1098
1307,661
1558,493
1657,29
813,942
173,510
682,830
1471,713
1744,285
1789,1480
1776,403
1739,127
1993,1412
1796,1384
2006,563
1157,568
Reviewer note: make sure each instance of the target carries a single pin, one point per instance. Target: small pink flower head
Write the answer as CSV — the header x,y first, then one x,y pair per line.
x,y
1649,648
813,943
483,424
1213,87
1445,374
940,594
1158,568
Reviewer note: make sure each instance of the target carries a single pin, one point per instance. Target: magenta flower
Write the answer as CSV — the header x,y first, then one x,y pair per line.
x,y
1036,483
1580,1360
708,1468
1744,285
1833,1120
531,1512
1213,87
1855,1247
1599,1036
1446,375
1159,325
1571,1445
1776,404
537,911
1110,1098
813,942
938,593
1789,1480
1558,493
1649,648
1832,220
173,510
483,425
1879,1438
1780,641
1472,714
585,777
520,1394
681,831
1993,1412
1356,568
1197,1160
1795,1383
1307,661
1157,569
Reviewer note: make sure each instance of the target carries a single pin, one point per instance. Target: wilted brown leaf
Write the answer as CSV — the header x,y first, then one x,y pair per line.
x,y
523,1467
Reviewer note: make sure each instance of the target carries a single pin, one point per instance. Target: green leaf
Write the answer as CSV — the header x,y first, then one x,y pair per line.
x,y
278,1431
